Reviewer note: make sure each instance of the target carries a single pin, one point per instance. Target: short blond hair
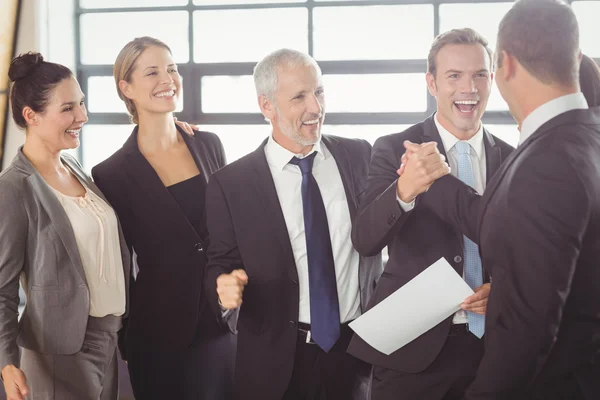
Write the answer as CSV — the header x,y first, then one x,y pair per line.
x,y
125,65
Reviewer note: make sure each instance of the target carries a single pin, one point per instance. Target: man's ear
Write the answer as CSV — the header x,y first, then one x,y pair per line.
x,y
267,107
431,86
509,65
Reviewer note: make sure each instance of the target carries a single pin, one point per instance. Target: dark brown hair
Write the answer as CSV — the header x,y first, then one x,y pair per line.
x,y
455,36
589,80
34,81
543,36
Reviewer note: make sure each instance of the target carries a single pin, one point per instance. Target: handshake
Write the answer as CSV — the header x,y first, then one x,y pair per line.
x,y
422,164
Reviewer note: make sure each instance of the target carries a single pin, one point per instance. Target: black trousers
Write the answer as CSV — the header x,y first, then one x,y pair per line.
x,y
203,371
335,375
447,378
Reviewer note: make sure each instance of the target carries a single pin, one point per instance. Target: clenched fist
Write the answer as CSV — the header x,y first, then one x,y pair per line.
x,y
230,288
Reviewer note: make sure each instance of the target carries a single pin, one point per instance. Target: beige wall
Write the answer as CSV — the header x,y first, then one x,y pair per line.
x,y
49,30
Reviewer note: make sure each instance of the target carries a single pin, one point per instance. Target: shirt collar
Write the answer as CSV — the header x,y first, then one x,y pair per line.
x,y
278,156
449,140
549,110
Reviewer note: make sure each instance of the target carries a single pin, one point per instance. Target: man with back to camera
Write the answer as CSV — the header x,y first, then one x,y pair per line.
x,y
538,222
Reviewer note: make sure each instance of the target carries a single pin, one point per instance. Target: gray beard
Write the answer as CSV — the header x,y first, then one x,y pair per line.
x,y
297,138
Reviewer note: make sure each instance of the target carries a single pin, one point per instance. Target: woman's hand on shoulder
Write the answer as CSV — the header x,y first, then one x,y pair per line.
x,y
188,128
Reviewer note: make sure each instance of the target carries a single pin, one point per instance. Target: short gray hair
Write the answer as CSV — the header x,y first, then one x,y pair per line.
x,y
265,72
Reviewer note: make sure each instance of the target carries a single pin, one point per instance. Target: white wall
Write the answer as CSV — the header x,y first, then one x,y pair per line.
x,y
50,31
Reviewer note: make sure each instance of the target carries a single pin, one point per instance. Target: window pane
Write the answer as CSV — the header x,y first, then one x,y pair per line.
x,y
483,17
587,15
368,132
130,3
101,42
496,102
102,96
373,32
509,133
239,140
375,93
219,2
101,141
229,94
248,35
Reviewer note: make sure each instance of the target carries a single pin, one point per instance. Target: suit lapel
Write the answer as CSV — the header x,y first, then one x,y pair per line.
x,y
199,153
75,168
153,191
431,134
265,187
342,159
55,212
493,155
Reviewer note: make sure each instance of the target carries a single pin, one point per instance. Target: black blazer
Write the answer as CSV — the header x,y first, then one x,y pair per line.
x,y
248,230
166,297
415,239
538,228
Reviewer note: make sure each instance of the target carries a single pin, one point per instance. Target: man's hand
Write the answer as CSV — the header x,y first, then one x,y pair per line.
x,y
230,288
477,302
188,128
15,384
424,165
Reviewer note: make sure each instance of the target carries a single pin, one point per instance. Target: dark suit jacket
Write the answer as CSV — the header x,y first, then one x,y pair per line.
x,y
38,245
538,228
415,240
166,297
248,230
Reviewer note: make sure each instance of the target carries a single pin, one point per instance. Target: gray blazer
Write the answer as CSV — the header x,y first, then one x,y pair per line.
x,y
37,244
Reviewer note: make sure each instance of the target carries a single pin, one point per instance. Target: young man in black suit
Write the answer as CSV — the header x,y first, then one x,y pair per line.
x,y
538,222
280,224
442,362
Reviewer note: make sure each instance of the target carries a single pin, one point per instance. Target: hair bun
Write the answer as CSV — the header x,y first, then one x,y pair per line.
x,y
23,65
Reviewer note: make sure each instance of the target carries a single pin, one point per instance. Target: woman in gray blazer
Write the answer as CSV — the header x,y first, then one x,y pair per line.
x,y
59,235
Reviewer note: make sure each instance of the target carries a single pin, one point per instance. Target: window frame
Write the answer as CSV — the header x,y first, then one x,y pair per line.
x,y
193,72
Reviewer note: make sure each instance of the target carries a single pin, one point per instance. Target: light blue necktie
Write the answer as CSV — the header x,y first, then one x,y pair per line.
x,y
472,267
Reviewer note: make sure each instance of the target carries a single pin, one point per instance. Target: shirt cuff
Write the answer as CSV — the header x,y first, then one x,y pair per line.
x,y
224,311
406,207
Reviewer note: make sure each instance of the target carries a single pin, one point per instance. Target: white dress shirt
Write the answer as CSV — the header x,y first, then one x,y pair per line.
x,y
479,170
549,110
95,228
288,183
477,155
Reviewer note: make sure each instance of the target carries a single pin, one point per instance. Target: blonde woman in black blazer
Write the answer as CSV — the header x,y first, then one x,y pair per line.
x,y
176,347
61,238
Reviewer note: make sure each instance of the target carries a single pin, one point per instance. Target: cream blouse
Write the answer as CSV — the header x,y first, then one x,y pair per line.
x,y
96,232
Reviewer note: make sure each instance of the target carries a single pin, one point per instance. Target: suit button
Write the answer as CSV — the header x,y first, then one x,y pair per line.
x,y
293,324
391,219
199,247
295,282
457,259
